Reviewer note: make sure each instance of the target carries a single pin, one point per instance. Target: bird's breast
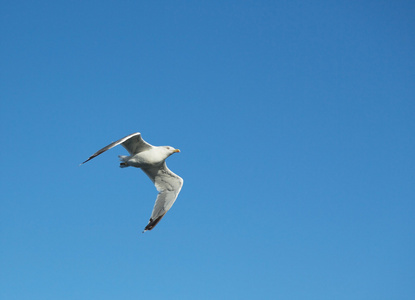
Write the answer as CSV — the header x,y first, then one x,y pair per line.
x,y
146,159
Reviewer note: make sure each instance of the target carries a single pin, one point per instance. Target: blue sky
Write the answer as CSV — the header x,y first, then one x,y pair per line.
x,y
296,124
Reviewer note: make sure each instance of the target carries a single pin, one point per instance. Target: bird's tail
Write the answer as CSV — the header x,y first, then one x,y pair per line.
x,y
123,158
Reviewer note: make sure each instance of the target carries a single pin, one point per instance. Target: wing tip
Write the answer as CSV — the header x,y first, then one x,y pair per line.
x,y
152,223
86,161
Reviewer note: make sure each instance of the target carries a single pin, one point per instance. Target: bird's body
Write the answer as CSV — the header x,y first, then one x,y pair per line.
x,y
146,158
151,160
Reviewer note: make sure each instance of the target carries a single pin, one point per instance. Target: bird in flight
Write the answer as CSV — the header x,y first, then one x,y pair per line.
x,y
152,160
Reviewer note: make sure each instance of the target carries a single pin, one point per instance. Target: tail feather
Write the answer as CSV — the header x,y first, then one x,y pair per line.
x,y
123,160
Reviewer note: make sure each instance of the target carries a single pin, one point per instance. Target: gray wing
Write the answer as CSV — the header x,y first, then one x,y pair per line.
x,y
133,143
169,185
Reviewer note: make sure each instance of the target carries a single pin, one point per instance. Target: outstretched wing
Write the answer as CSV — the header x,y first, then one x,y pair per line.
x,y
169,185
133,143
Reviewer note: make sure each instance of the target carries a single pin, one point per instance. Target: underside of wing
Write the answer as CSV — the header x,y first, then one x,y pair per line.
x,y
169,185
136,143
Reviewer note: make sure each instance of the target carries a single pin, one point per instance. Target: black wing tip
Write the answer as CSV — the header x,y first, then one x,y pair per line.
x,y
87,160
152,223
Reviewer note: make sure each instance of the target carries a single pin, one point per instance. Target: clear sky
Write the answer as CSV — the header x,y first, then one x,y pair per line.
x,y
296,125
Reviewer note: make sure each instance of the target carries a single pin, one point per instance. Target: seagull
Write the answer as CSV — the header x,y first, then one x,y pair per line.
x,y
152,160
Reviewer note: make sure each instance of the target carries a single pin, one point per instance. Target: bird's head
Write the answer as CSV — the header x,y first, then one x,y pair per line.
x,y
171,150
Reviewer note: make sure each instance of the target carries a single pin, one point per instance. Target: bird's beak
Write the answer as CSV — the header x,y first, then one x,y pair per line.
x,y
176,150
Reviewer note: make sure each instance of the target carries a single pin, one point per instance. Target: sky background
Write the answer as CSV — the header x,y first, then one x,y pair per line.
x,y
296,126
